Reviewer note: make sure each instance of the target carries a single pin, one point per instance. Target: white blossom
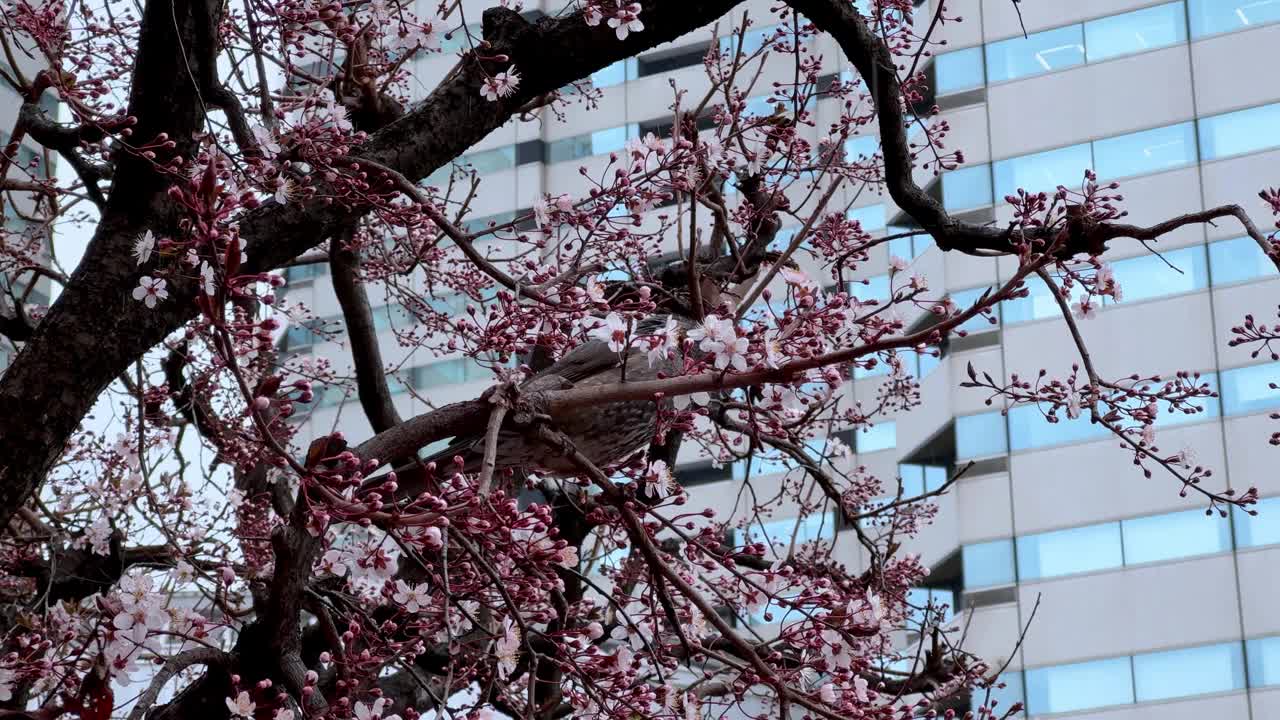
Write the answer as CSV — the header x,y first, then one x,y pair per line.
x,y
150,291
143,246
507,648
242,706
500,85
412,597
626,20
612,331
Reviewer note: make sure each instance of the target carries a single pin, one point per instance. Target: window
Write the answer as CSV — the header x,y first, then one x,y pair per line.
x,y
967,188
755,38
616,74
1191,671
1037,305
1139,31
1209,17
1239,132
920,479
980,435
1174,535
1248,389
299,274
1030,428
1065,688
594,143
941,604
1043,171
988,564
1258,530
1066,552
1264,661
1145,152
860,148
881,436
965,299
959,71
779,535
1004,697
462,38
1148,276
1040,53
871,217
1237,260
701,473
872,289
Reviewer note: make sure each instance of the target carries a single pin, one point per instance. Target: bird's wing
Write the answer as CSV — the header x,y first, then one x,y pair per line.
x,y
589,358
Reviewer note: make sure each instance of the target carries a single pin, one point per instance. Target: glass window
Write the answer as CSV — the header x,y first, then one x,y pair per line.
x,y
448,372
1066,552
1264,661
1248,389
1145,152
967,188
1191,671
462,38
1148,276
1040,53
861,147
964,299
1146,29
1043,171
1037,305
1209,17
502,158
1261,529
1078,686
1030,428
1237,260
871,217
980,435
872,289
782,239
988,564
960,70
1243,131
615,74
881,436
1003,697
1174,535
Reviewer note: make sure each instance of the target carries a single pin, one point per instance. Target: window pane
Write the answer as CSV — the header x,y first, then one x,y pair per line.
x,y
1148,276
1005,696
1240,132
1066,552
861,148
965,299
960,70
1037,305
967,188
873,289
980,435
1175,535
1146,29
1039,53
871,217
987,564
1029,428
608,140
1260,529
1248,389
1193,671
1145,152
1237,260
1217,16
881,436
1082,685
1264,661
502,158
1043,171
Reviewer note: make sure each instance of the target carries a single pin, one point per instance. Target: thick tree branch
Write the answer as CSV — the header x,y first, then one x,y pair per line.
x,y
366,355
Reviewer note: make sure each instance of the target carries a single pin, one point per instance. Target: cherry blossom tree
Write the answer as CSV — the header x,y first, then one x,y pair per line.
x,y
365,578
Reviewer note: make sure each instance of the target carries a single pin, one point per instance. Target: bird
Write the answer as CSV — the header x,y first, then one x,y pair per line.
x,y
605,433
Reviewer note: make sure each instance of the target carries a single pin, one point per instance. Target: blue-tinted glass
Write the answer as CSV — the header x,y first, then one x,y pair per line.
x,y
1145,152
926,363
988,564
1192,671
615,74
1248,389
1066,552
967,188
1237,260
1037,305
871,217
1261,529
980,435
1065,688
912,479
873,289
861,148
569,148
759,106
1043,171
1175,535
1030,428
902,247
762,465
960,70
493,160
754,39
1217,16
1240,132
1264,661
1138,31
782,239
608,140
1149,276
1207,407
1039,53
462,38
1001,698
779,533
880,368
935,477
964,299
447,372
881,436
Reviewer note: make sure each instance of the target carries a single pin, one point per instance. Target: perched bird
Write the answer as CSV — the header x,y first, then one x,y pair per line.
x,y
606,433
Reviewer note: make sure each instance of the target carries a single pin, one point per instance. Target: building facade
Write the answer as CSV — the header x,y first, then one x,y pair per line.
x,y
1146,607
